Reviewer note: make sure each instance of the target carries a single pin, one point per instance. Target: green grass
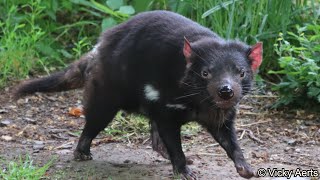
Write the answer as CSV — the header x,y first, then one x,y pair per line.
x,y
132,127
18,43
23,168
128,127
252,21
42,36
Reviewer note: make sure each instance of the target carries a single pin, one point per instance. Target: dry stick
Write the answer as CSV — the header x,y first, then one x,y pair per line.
x,y
292,163
242,134
255,123
251,113
211,154
262,96
212,145
145,141
251,135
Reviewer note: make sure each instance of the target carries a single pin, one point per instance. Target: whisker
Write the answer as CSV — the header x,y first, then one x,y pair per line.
x,y
205,99
188,95
196,73
201,57
194,87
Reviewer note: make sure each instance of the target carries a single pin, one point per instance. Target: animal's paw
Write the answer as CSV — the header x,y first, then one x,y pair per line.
x,y
245,170
188,174
81,156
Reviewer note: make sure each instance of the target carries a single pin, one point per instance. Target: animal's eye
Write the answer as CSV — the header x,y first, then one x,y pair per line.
x,y
242,73
205,74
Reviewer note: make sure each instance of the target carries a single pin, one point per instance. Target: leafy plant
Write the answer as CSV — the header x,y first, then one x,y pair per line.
x,y
116,9
18,43
23,169
252,21
299,67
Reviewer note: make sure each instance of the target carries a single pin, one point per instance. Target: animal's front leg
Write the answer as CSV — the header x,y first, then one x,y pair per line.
x,y
226,136
169,131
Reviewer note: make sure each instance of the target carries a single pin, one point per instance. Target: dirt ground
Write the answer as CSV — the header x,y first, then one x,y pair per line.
x,y
41,126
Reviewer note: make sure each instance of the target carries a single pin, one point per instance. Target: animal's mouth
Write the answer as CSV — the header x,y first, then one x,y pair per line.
x,y
223,104
226,104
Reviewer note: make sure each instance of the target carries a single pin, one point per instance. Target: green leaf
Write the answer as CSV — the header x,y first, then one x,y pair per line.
x,y
127,10
313,92
141,5
218,7
108,23
114,4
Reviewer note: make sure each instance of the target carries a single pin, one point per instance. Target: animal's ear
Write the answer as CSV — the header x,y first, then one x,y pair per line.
x,y
255,56
187,51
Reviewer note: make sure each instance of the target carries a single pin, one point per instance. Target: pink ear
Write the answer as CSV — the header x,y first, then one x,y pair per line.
x,y
187,50
255,56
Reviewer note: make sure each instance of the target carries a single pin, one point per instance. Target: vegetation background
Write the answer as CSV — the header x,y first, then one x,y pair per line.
x,y
43,36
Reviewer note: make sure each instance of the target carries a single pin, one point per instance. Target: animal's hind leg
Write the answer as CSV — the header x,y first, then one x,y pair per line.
x,y
100,109
157,143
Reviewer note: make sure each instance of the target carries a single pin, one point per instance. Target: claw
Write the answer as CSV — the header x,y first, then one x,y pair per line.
x,y
245,170
81,156
188,174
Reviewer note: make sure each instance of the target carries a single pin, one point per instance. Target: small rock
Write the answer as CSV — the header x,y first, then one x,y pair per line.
x,y
29,120
6,138
2,111
38,147
38,142
126,161
292,142
312,142
5,122
289,149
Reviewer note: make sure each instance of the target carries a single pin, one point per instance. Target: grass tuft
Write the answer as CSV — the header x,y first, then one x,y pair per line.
x,y
24,169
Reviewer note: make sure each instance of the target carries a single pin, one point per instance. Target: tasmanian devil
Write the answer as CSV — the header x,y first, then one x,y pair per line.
x,y
168,68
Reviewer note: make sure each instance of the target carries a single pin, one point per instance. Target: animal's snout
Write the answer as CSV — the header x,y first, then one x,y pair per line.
x,y
226,92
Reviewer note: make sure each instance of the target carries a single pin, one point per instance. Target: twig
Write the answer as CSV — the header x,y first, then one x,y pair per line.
x,y
292,163
145,141
250,113
242,134
255,123
212,145
210,154
251,135
262,96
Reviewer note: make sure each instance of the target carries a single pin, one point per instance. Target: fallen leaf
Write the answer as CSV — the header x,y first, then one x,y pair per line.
x,y
75,111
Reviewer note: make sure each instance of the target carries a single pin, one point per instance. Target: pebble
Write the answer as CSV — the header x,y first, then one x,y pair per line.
x,y
2,111
29,120
38,145
6,138
5,122
292,142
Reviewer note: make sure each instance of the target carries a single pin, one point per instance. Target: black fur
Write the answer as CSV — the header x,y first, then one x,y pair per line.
x,y
147,51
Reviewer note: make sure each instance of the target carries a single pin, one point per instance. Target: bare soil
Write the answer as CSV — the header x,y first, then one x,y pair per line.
x,y
42,127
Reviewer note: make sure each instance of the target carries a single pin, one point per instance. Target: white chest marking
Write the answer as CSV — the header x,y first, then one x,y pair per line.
x,y
176,106
151,93
95,48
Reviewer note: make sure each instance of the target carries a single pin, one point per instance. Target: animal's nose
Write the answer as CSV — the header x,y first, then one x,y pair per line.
x,y
226,92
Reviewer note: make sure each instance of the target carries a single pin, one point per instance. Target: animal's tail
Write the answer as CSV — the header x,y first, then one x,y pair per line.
x,y
73,77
